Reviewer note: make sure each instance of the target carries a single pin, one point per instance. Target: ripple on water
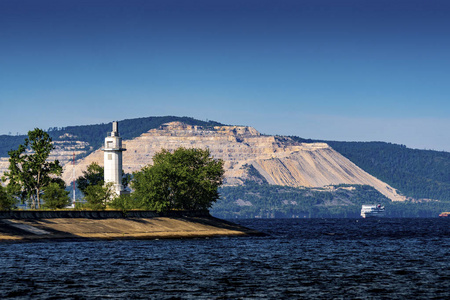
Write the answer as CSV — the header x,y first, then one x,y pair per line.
x,y
315,258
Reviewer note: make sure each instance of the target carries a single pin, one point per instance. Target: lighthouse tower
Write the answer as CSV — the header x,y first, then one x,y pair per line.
x,y
113,159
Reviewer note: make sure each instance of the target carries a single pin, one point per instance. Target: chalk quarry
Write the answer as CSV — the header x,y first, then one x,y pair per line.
x,y
280,160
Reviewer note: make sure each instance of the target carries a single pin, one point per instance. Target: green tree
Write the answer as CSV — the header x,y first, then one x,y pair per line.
x,y
55,196
7,202
185,179
94,175
97,196
29,171
125,202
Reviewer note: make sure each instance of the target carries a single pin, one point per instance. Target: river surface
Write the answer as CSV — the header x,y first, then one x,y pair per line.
x,y
300,258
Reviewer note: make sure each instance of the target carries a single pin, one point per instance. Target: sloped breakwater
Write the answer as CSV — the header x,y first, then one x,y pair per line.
x,y
29,226
98,214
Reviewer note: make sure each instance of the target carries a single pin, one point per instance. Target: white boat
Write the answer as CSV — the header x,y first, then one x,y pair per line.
x,y
372,211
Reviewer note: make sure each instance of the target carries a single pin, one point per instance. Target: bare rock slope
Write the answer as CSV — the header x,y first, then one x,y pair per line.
x,y
279,160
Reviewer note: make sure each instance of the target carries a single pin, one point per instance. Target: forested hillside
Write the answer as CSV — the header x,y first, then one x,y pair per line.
x,y
342,201
271,201
10,142
420,174
95,134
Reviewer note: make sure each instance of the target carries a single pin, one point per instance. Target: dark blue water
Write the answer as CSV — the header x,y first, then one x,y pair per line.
x,y
312,258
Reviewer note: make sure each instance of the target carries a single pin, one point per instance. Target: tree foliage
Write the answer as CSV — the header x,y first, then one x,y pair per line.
x,y
29,171
187,179
55,196
94,175
97,196
125,202
7,202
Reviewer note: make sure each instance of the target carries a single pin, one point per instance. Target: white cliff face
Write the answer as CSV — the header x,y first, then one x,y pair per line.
x,y
279,160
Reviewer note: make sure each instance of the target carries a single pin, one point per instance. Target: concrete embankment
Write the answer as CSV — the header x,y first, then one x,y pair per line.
x,y
16,226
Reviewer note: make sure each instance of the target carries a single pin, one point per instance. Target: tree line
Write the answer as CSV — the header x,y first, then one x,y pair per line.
x,y
341,201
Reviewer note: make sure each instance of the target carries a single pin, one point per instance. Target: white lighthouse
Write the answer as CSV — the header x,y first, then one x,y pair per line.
x,y
113,159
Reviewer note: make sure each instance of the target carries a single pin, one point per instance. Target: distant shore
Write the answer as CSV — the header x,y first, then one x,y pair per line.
x,y
29,226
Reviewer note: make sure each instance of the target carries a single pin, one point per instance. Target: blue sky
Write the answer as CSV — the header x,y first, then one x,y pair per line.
x,y
353,70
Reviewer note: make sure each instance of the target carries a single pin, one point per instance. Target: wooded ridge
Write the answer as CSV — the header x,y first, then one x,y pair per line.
x,y
418,174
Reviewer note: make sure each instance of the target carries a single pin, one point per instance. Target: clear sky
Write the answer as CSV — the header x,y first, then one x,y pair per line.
x,y
355,70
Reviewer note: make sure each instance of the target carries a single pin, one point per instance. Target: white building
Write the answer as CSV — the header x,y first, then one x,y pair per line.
x,y
113,159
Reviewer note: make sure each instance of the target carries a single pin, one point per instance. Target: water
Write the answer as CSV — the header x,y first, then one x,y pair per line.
x,y
311,259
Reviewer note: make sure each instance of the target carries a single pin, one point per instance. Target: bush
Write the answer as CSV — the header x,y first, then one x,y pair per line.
x,y
55,197
97,196
7,202
125,202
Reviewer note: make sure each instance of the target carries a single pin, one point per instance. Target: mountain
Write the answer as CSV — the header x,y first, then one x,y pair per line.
x,y
247,154
252,157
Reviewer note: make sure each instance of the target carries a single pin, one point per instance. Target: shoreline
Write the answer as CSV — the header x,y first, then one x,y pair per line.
x,y
34,226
